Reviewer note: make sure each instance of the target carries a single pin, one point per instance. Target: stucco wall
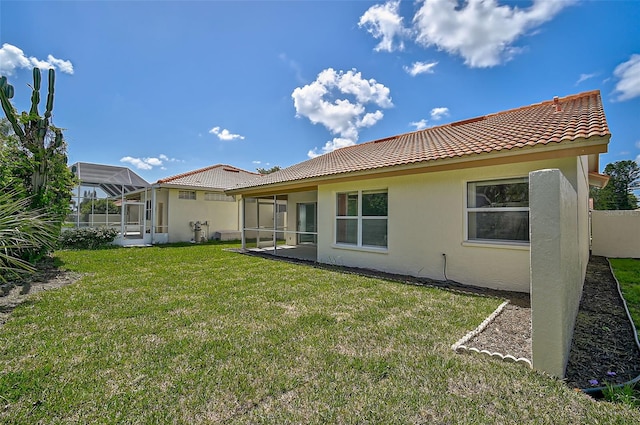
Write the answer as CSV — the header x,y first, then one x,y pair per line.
x,y
220,215
427,219
556,269
616,233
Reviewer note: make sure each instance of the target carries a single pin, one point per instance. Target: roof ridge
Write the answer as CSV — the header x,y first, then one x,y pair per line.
x,y
480,117
544,102
200,170
188,173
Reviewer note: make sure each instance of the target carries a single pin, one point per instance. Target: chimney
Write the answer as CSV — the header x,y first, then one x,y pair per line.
x,y
556,102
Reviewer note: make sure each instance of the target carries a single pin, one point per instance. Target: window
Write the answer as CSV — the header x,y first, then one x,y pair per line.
x,y
498,210
361,218
187,194
213,196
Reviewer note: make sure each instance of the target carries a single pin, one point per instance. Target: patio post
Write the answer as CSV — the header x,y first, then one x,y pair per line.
x,y
275,222
242,222
153,214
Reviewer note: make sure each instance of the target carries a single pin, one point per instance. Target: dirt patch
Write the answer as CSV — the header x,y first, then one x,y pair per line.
x,y
48,276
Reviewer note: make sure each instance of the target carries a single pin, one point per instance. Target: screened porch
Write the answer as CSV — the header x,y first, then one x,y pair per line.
x,y
283,225
113,197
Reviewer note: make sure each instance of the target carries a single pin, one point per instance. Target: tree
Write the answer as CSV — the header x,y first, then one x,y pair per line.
x,y
268,170
624,177
10,158
38,160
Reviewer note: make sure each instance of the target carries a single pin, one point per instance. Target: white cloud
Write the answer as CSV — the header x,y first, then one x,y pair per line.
x,y
438,113
419,125
420,68
584,77
383,22
63,65
628,74
342,117
149,162
481,31
256,162
139,163
12,58
225,134
165,158
638,144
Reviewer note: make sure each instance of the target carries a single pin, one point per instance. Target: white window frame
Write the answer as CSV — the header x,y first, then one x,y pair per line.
x,y
187,195
359,218
468,209
216,196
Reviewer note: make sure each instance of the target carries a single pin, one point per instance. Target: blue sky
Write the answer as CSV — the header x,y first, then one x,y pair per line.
x,y
167,87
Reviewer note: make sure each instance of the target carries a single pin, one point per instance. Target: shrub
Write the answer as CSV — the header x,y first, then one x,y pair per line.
x,y
24,235
87,237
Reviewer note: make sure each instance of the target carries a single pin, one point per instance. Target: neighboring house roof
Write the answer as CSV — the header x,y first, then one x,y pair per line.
x,y
218,177
112,179
561,123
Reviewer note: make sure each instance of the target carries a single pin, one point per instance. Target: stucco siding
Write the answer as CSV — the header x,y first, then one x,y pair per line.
x,y
220,215
426,219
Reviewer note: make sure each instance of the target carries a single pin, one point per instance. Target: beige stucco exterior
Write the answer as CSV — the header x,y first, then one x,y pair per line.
x,y
616,233
427,218
179,213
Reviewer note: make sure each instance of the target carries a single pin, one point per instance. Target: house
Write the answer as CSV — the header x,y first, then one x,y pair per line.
x,y
196,201
447,202
170,210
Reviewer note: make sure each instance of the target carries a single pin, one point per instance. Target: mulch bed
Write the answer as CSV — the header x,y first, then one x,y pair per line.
x,y
603,339
603,347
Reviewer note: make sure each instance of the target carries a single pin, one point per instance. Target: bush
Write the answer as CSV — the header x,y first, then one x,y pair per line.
x,y
87,237
25,235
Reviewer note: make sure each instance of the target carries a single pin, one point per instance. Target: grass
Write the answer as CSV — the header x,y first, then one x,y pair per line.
x,y
196,334
627,271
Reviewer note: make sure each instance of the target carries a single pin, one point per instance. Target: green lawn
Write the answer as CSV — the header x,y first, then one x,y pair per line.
x,y
627,271
196,334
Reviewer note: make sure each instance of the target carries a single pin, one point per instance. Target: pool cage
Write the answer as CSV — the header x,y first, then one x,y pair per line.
x,y
113,197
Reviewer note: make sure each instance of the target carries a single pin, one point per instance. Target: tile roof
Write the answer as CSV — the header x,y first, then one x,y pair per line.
x,y
219,176
556,121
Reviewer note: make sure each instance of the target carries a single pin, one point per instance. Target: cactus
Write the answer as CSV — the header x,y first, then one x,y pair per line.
x,y
43,140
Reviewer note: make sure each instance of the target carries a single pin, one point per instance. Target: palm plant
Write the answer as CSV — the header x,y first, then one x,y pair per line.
x,y
24,233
